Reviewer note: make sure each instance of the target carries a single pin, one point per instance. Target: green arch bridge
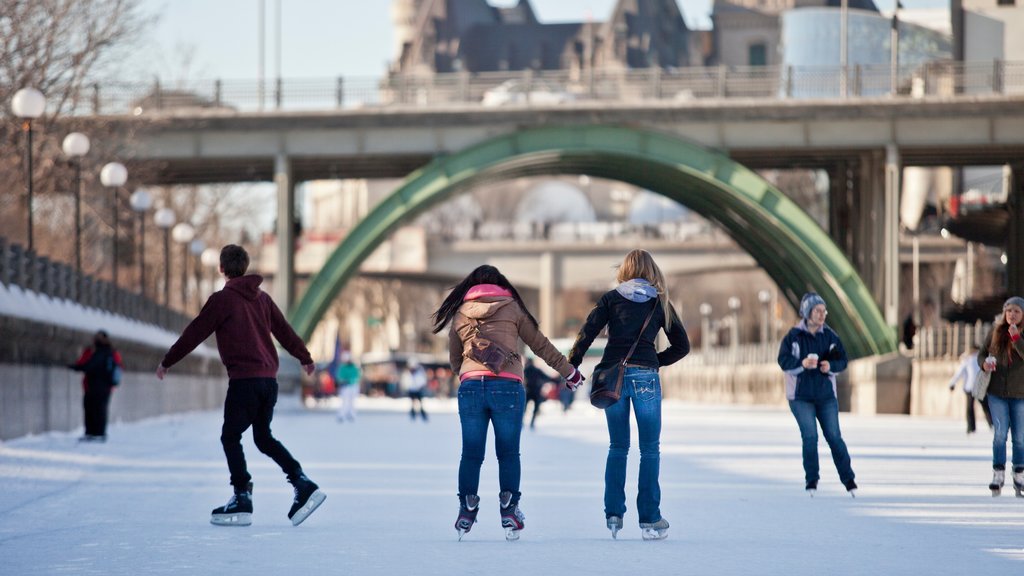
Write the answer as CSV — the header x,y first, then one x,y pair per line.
x,y
796,253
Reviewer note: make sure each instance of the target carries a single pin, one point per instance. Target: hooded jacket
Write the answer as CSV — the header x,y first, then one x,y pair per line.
x,y
624,310
504,323
811,385
244,318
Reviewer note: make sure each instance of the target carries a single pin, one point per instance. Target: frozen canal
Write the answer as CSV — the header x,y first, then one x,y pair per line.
x,y
732,487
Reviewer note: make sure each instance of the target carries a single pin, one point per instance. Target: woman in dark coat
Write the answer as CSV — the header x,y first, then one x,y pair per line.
x,y
101,365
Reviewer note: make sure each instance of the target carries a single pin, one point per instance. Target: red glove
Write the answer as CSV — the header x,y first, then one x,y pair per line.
x,y
574,380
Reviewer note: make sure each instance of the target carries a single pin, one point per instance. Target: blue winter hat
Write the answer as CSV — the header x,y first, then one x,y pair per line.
x,y
808,302
1014,301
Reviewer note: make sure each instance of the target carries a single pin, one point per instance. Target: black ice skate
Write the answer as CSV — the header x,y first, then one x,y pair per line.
x,y
654,530
851,487
237,512
512,518
614,524
308,498
996,486
469,505
811,487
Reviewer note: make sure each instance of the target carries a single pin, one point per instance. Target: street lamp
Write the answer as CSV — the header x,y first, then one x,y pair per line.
x,y
183,233
28,104
734,325
765,298
211,259
75,146
196,248
141,201
164,219
705,329
113,175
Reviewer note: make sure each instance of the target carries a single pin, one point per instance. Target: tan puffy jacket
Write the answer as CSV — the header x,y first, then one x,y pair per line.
x,y
505,324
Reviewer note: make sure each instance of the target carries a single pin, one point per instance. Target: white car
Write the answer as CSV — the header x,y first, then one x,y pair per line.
x,y
515,92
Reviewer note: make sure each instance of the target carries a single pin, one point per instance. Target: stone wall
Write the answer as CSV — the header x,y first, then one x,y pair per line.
x,y
35,399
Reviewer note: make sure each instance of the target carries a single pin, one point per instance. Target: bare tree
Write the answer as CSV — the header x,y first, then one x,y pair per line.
x,y
61,48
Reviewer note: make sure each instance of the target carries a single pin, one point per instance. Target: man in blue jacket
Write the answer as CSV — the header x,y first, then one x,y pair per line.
x,y
811,355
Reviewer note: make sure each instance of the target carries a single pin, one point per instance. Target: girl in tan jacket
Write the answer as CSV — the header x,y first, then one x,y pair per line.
x,y
488,319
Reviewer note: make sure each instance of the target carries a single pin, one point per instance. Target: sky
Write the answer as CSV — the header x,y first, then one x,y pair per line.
x,y
204,39
731,484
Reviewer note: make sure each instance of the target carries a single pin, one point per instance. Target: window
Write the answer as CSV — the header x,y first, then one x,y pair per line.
x,y
1006,2
757,55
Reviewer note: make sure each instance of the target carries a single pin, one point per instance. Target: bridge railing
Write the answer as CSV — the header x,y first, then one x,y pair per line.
x,y
947,341
526,88
31,272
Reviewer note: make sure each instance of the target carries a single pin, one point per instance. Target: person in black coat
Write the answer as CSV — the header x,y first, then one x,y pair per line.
x,y
101,366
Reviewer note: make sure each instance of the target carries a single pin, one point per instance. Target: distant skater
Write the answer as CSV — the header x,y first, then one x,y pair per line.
x,y
414,382
811,355
535,379
347,377
101,367
244,318
967,372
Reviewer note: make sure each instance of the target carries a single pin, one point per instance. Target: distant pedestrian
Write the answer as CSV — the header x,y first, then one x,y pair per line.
x,y
347,378
1003,357
535,380
811,355
488,319
102,368
967,372
635,312
414,383
245,320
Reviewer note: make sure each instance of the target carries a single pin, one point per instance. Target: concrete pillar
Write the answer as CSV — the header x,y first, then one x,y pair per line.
x,y
1015,232
890,265
284,280
550,286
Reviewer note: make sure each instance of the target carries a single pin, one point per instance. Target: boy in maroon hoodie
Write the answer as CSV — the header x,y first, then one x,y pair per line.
x,y
244,318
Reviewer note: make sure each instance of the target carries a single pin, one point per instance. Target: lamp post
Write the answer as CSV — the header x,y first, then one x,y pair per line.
x,y
141,201
183,233
75,146
734,325
765,298
211,259
164,219
113,175
28,104
196,248
705,329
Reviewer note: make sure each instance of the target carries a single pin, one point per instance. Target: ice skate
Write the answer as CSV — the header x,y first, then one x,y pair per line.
x,y
811,487
308,498
654,531
512,518
1018,482
851,487
614,524
469,505
237,512
996,486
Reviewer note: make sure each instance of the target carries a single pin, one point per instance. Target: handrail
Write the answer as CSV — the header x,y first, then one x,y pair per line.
x,y
682,86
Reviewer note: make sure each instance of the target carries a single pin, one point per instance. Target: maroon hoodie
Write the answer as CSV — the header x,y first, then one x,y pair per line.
x,y
244,317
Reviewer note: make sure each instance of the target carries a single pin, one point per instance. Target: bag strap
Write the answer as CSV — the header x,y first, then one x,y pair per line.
x,y
638,336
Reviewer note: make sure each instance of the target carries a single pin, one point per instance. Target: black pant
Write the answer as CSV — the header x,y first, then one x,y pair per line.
x,y
250,402
96,403
970,412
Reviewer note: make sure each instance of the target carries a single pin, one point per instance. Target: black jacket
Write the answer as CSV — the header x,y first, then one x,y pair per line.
x,y
624,319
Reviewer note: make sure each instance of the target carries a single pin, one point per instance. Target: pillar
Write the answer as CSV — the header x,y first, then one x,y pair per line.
x,y
284,280
890,265
550,287
1015,232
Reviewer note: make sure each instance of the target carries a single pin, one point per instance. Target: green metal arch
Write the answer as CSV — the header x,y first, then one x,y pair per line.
x,y
778,234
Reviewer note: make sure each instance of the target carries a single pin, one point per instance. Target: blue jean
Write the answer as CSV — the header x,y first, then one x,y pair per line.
x,y
826,411
1007,414
641,387
501,402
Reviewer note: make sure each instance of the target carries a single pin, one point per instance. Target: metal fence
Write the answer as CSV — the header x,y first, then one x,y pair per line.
x,y
560,87
28,271
948,341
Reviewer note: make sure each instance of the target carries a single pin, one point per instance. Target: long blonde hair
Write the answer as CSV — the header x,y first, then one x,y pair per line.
x,y
640,264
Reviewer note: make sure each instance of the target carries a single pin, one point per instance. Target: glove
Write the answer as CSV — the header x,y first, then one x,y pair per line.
x,y
574,380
